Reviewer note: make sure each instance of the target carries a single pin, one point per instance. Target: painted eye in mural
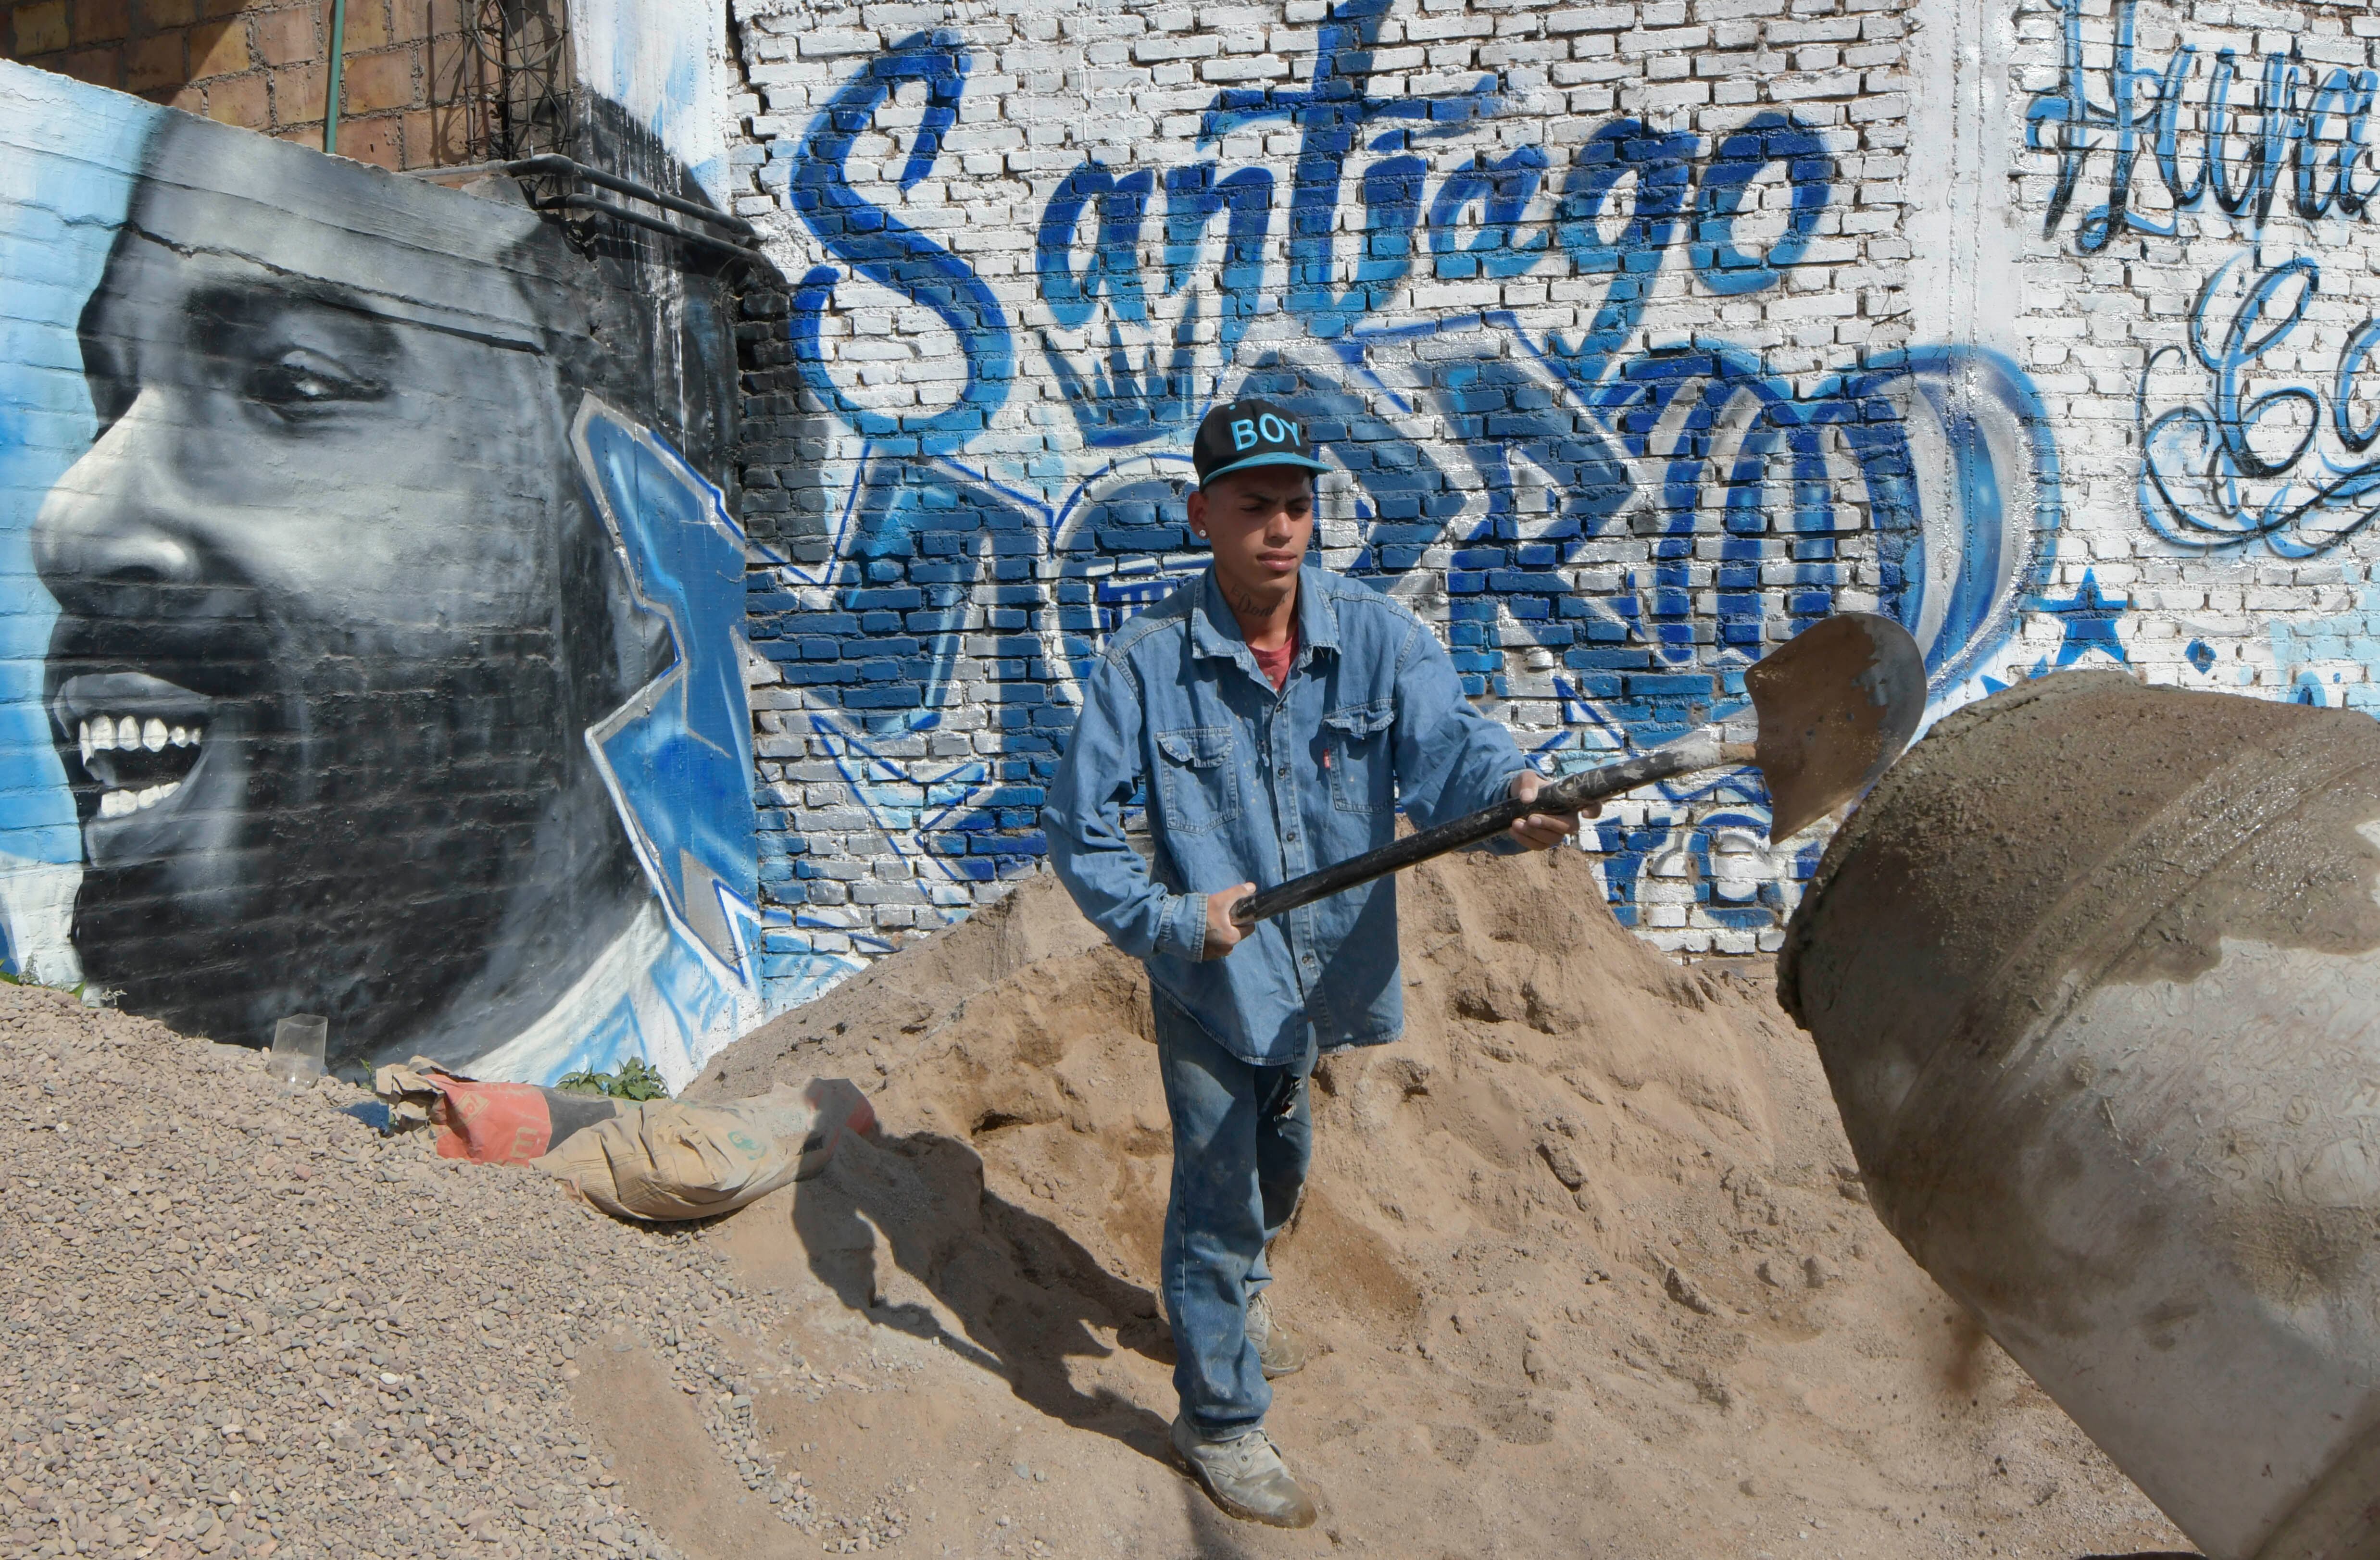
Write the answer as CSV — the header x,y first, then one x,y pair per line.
x,y
301,383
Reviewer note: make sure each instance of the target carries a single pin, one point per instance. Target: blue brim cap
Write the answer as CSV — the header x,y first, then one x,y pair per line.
x,y
1277,458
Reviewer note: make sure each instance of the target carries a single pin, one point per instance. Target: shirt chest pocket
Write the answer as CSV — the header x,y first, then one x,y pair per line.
x,y
1362,757
1197,782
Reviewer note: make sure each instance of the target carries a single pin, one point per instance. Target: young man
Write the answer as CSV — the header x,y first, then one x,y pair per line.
x,y
1276,716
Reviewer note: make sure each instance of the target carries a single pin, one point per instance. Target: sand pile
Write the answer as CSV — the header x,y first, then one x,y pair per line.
x,y
1586,1253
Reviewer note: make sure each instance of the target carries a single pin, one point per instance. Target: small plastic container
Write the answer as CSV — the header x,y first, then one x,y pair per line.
x,y
298,1047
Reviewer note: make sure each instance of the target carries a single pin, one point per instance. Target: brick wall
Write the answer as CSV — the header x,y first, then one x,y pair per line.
x,y
1602,310
1641,333
2209,359
264,67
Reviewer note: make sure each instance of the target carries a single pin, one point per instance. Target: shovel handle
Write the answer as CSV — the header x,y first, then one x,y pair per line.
x,y
1698,749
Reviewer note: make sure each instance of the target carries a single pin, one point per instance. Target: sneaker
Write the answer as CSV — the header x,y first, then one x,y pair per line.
x,y
1277,1349
1245,1476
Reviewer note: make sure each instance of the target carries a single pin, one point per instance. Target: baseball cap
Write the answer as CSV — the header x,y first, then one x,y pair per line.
x,y
1249,433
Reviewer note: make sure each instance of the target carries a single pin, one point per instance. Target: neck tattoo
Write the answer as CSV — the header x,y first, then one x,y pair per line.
x,y
1247,603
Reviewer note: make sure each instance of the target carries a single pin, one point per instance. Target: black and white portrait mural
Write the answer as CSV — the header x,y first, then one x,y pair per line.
x,y
373,625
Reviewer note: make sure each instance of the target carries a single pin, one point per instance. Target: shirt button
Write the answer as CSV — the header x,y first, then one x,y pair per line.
x,y
1284,771
1290,837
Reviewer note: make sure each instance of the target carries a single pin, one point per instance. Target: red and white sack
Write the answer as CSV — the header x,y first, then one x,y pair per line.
x,y
486,1123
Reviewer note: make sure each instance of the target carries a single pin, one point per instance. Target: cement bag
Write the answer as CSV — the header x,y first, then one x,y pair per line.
x,y
486,1123
662,1159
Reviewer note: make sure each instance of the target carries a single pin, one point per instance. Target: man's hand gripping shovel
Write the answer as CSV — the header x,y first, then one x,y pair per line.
x,y
1830,710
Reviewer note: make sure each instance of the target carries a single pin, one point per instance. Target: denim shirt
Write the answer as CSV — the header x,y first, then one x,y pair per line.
x,y
1246,783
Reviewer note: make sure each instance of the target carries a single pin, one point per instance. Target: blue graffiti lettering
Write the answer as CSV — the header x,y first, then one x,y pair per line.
x,y
2186,196
1392,191
1503,189
1127,403
2241,467
1333,114
2340,87
2351,364
2302,126
877,245
1121,205
1136,397
1769,506
1193,196
1194,193
1768,138
1611,525
2280,465
1475,223
1734,439
1662,164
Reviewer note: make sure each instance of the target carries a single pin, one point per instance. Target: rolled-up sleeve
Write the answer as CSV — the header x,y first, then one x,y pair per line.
x,y
1450,759
1083,819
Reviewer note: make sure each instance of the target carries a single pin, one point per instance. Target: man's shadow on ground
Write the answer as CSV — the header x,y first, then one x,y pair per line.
x,y
1025,1295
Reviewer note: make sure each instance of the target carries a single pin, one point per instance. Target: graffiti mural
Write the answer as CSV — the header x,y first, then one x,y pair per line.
x,y
2047,330
2222,133
2239,141
2289,466
2235,175
1609,517
394,672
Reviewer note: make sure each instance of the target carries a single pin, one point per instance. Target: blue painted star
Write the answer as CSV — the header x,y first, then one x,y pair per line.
x,y
677,755
2087,621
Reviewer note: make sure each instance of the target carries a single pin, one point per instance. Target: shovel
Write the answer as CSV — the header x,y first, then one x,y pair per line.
x,y
1830,709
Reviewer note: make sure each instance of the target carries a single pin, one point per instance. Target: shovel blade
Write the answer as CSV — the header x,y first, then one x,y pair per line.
x,y
1836,704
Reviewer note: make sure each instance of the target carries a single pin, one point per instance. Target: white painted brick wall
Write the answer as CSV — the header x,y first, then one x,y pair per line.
x,y
1929,236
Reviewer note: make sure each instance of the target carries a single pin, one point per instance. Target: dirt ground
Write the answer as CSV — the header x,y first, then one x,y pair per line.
x,y
1583,1255
1586,1254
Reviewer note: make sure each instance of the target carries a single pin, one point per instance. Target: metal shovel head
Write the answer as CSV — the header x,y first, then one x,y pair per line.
x,y
1837,702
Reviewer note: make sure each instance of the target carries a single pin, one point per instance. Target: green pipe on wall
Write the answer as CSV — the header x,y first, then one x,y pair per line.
x,y
338,53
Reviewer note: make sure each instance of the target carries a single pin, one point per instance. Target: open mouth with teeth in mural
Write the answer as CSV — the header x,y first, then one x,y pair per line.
x,y
140,741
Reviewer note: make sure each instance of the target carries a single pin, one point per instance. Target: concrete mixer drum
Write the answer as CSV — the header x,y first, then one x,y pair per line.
x,y
2095,975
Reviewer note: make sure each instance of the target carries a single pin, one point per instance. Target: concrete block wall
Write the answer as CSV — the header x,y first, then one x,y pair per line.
x,y
1604,312
263,65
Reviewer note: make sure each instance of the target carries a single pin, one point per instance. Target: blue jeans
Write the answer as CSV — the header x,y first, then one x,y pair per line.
x,y
1243,1138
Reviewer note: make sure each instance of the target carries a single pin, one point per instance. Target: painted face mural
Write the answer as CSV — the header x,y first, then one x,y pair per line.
x,y
393,676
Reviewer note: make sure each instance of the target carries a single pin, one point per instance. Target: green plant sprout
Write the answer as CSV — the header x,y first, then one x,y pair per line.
x,y
637,1079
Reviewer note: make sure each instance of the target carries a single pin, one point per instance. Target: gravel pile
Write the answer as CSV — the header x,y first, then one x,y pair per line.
x,y
239,1322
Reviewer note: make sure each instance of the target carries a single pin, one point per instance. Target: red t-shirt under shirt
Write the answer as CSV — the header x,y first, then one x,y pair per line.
x,y
1275,663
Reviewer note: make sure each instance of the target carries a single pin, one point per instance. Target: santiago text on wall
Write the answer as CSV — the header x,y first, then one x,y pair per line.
x,y
1602,313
